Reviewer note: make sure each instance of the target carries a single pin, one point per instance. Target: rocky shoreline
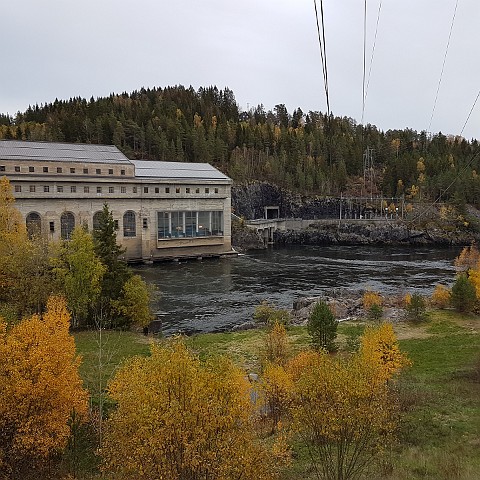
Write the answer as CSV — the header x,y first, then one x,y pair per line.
x,y
372,234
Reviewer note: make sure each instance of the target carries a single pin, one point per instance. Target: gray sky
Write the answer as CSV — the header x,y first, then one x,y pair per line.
x,y
266,51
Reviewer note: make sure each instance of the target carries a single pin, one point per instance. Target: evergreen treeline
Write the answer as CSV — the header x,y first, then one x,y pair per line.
x,y
312,153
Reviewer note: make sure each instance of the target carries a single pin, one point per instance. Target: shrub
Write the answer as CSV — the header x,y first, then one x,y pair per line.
x,y
441,296
376,312
463,294
371,298
416,309
268,314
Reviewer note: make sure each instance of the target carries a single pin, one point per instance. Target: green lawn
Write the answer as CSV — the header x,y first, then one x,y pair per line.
x,y
440,393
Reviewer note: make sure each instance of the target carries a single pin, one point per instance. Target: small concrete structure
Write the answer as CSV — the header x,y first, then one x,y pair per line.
x,y
162,210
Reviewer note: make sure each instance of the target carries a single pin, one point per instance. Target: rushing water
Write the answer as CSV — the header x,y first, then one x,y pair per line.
x,y
216,294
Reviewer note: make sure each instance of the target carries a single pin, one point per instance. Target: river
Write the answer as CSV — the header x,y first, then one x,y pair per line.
x,y
216,294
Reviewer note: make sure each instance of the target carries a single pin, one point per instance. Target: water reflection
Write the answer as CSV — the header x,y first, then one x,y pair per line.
x,y
215,294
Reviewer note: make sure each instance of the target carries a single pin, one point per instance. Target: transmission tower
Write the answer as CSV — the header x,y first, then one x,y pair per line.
x,y
368,171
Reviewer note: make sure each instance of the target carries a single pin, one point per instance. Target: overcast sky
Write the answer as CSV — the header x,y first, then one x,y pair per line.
x,y
266,51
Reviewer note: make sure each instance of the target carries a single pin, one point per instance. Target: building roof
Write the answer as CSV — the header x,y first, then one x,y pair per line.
x,y
61,152
177,170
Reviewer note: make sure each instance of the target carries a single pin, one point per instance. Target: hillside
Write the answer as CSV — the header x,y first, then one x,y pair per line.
x,y
307,152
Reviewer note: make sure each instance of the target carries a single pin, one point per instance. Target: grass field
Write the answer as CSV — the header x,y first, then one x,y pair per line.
x,y
439,435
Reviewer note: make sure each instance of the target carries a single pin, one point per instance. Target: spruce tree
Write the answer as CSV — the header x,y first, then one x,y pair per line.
x,y
322,327
110,253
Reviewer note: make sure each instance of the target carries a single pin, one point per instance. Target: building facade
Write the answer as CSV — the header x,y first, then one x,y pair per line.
x,y
161,210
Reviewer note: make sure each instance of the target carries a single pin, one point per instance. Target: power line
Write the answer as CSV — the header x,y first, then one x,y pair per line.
x,y
323,50
443,66
364,56
471,110
373,52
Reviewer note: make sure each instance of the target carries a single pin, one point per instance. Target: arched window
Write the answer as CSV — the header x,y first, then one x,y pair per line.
x,y
96,220
129,224
67,224
34,224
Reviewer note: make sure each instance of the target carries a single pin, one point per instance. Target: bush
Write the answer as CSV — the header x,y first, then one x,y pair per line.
x,y
269,315
441,296
463,294
371,298
376,312
416,309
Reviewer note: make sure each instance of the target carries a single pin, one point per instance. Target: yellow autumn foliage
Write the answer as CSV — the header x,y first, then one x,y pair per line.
x,y
371,298
40,387
440,296
180,419
277,386
469,261
276,348
380,352
343,414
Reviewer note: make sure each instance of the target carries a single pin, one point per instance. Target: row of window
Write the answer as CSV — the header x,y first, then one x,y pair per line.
x,y
170,224
99,189
86,171
67,224
189,224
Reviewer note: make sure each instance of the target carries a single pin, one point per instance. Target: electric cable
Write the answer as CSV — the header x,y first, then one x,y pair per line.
x,y
443,65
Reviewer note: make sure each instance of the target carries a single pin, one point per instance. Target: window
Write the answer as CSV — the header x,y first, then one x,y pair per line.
x,y
2,168
99,189
145,189
110,171
45,169
32,188
60,188
17,169
115,222
34,224
207,190
46,188
129,227
157,190
216,190
187,190
111,189
122,172
98,171
59,170
73,189
72,170
177,190
189,224
197,190
134,189
177,224
31,169
52,227
123,189
86,189
164,225
18,188
96,220
167,190
67,224
217,223
145,222
85,170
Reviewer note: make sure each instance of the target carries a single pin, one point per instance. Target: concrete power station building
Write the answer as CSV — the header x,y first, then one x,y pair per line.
x,y
161,210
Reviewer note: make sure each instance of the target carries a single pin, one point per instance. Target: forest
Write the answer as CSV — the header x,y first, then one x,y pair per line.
x,y
312,153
